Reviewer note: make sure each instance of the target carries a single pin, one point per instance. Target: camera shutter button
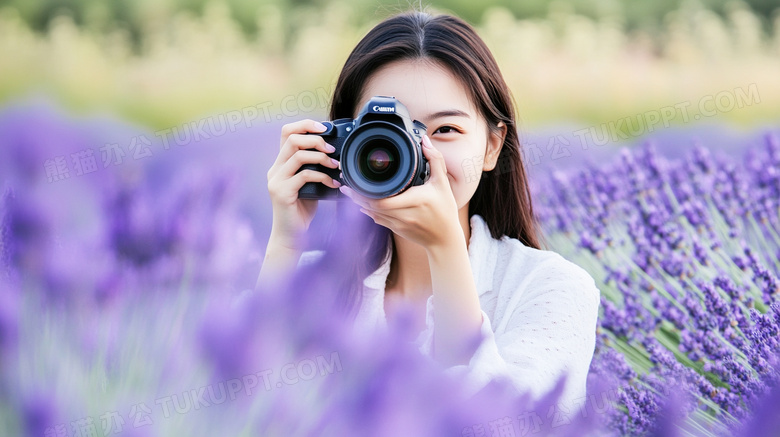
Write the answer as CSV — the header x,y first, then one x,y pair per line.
x,y
328,128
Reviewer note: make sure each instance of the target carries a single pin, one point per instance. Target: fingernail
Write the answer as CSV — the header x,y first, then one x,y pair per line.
x,y
334,161
336,183
329,147
320,126
426,141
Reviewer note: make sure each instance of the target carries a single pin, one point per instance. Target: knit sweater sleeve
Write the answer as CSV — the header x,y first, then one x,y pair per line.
x,y
543,328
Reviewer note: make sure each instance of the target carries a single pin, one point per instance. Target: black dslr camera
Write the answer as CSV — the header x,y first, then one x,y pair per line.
x,y
380,152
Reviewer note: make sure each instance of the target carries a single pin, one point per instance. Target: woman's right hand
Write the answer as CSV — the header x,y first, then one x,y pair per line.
x,y
292,216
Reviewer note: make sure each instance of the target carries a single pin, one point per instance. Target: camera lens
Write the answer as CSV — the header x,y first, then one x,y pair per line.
x,y
378,160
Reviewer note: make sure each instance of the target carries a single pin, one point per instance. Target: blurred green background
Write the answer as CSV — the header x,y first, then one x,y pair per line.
x,y
165,62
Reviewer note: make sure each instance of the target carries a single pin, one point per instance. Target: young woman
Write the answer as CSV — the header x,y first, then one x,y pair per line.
x,y
465,242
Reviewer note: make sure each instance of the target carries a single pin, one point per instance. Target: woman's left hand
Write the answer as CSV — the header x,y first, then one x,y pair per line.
x,y
426,214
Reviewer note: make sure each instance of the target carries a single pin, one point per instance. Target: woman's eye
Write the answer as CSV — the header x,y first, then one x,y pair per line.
x,y
445,130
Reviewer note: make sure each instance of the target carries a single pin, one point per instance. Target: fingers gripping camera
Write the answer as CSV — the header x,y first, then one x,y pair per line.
x,y
380,152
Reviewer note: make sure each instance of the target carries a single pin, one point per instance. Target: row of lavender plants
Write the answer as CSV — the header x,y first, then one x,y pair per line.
x,y
126,302
687,253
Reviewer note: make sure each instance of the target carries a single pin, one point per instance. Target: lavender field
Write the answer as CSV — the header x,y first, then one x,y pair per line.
x,y
128,260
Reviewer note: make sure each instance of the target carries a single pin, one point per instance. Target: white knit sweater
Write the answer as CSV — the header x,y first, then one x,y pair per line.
x,y
539,315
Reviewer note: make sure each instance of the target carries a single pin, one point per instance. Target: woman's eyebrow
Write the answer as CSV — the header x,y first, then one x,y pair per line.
x,y
448,113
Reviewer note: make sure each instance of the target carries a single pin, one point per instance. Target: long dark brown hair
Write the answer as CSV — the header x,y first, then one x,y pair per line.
x,y
503,197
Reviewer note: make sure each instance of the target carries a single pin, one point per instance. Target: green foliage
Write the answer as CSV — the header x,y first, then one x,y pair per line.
x,y
134,16
166,63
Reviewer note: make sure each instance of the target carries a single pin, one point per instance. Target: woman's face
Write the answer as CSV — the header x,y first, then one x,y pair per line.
x,y
436,97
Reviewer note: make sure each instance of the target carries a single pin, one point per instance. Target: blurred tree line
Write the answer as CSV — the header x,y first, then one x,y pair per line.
x,y
165,62
134,16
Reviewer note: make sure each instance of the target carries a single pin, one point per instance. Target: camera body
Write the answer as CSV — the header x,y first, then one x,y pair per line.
x,y
380,152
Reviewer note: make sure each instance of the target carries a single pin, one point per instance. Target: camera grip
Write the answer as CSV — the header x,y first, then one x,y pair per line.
x,y
317,190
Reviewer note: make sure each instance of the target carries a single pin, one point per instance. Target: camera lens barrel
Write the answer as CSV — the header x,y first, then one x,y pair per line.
x,y
380,159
